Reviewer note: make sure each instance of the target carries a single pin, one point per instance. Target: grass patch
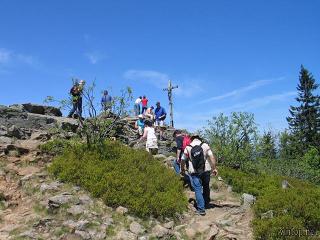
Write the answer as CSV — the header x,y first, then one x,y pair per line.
x,y
296,208
121,176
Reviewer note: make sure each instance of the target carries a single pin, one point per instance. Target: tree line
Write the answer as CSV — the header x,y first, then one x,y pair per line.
x,y
293,152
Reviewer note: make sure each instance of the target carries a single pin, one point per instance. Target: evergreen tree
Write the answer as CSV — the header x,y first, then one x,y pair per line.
x,y
304,121
268,146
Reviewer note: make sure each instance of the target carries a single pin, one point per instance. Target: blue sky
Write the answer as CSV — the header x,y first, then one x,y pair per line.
x,y
225,55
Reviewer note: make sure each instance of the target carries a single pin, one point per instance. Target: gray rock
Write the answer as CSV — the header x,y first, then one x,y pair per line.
x,y
267,215
121,210
169,225
248,200
50,187
15,132
5,140
29,234
75,210
136,228
159,156
125,235
84,235
38,109
158,231
143,238
85,199
214,230
80,225
58,200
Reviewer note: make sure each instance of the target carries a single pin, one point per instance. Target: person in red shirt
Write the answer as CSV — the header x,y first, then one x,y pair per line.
x,y
144,103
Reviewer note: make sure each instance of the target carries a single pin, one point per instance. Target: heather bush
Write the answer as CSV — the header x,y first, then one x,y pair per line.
x,y
122,176
295,208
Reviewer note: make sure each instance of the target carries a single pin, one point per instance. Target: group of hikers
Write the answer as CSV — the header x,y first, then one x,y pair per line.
x,y
195,161
76,93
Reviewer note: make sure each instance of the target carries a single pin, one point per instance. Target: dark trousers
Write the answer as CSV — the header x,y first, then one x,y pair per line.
x,y
143,109
76,108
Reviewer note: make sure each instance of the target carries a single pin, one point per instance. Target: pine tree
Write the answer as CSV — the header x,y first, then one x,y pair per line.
x,y
304,121
268,146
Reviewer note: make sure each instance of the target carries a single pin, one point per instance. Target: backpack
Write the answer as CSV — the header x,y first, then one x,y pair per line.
x,y
74,91
186,141
197,158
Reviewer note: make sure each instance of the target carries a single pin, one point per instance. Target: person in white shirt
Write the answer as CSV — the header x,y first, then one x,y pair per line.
x,y
137,106
150,135
201,164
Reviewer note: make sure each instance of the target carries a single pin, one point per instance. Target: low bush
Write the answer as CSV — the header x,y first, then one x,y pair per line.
x,y
122,176
296,210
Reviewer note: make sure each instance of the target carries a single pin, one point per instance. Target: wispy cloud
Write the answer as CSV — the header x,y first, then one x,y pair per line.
x,y
248,105
95,57
186,88
158,79
10,59
242,90
5,56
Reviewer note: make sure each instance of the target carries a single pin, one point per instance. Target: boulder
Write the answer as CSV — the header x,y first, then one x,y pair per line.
x,y
159,232
126,235
121,210
60,199
136,228
38,109
248,200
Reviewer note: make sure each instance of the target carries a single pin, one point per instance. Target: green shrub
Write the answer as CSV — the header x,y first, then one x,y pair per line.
x,y
55,146
296,208
122,176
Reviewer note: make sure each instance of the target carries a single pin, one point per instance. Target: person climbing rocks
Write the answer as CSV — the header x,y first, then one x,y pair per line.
x,y
139,125
201,164
144,103
137,106
160,116
150,135
106,101
149,114
182,140
76,94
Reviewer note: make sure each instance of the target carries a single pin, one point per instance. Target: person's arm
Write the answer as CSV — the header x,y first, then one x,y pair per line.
x,y
178,155
145,133
136,125
212,161
183,162
164,114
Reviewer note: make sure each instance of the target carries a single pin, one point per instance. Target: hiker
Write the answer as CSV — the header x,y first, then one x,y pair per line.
x,y
144,103
160,116
139,125
149,113
76,94
182,140
106,101
150,136
137,106
201,164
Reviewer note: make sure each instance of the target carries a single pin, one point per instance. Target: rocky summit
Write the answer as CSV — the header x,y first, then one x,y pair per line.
x,y
36,206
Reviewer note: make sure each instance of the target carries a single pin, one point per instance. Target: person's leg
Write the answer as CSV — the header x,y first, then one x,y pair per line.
x,y
176,167
197,186
80,107
74,108
136,113
205,179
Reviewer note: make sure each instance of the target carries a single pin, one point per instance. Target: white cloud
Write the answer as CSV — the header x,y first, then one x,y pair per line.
x,y
158,79
5,56
239,91
95,57
248,105
186,88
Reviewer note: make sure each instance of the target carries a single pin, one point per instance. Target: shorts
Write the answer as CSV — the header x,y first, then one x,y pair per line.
x,y
159,123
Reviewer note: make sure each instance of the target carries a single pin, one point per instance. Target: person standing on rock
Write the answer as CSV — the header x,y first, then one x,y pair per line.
x,y
160,116
139,125
106,101
149,113
76,93
137,106
150,135
144,103
201,164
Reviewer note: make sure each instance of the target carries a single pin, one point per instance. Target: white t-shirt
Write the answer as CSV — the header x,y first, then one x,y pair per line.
x,y
138,101
207,153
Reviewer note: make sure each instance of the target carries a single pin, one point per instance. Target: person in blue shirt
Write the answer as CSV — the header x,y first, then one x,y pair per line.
x,y
106,101
160,116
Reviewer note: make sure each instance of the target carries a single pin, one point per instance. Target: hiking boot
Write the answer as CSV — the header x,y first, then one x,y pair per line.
x,y
201,212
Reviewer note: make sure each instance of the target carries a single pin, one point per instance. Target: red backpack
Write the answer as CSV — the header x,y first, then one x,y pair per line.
x,y
186,141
